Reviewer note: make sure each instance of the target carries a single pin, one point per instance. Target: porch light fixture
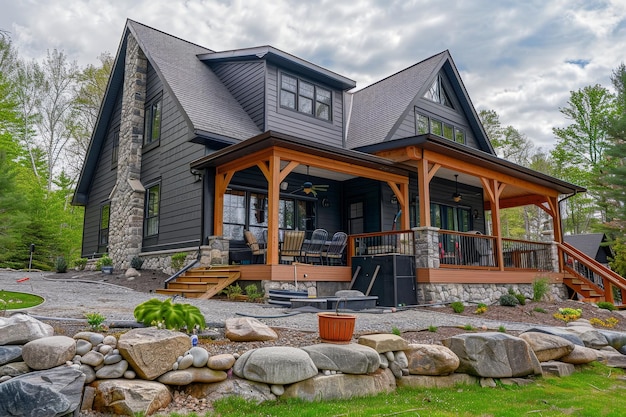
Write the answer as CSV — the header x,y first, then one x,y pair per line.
x,y
456,196
394,199
307,187
284,185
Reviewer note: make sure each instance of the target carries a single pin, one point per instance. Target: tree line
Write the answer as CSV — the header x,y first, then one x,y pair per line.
x,y
47,112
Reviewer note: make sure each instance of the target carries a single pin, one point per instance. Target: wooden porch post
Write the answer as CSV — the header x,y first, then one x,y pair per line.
x,y
553,202
494,190
222,179
273,194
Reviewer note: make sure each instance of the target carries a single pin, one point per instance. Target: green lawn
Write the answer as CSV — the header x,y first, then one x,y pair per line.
x,y
10,300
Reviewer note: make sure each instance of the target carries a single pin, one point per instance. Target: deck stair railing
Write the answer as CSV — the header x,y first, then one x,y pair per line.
x,y
591,279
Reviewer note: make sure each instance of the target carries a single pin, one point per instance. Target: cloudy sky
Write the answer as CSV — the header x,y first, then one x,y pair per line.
x,y
519,58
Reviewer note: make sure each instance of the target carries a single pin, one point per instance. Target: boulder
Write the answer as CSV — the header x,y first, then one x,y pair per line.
x,y
557,368
559,331
248,390
151,351
14,369
591,337
248,329
19,329
48,352
53,392
129,397
615,339
431,360
189,375
131,273
430,381
580,355
342,386
10,354
349,359
613,360
401,359
275,365
493,355
221,362
547,347
383,342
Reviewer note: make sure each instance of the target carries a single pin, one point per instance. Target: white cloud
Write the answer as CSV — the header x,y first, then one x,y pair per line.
x,y
517,58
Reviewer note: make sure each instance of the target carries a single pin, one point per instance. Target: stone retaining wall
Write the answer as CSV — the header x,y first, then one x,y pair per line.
x,y
480,293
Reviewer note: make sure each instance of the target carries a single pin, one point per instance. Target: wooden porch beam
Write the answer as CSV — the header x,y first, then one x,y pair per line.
x,y
401,191
520,201
221,183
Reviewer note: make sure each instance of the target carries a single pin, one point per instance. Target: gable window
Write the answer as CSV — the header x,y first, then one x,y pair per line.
x,y
151,221
437,93
305,97
152,121
425,124
115,147
103,232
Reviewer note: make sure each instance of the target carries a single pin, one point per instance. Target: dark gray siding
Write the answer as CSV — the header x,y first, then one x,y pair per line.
x,y
246,82
103,183
181,195
298,124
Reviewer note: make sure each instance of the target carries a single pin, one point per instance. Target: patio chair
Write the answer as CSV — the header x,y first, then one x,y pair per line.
x,y
256,248
291,248
335,250
313,249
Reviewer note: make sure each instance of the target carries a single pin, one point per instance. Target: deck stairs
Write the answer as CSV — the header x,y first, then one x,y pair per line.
x,y
202,282
590,279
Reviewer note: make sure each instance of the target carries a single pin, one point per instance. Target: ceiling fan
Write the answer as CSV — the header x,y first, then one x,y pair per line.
x,y
309,188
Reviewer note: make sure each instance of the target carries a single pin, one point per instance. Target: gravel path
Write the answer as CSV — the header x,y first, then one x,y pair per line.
x,y
72,299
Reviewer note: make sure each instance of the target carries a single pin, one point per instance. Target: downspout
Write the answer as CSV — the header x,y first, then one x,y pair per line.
x,y
559,207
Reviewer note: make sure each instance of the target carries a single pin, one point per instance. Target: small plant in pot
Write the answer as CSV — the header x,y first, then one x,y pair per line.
x,y
336,327
105,264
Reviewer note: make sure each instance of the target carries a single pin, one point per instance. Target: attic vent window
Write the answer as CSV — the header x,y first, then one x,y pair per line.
x,y
305,97
437,93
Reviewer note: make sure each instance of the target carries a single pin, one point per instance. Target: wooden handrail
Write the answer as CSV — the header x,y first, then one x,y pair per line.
x,y
597,268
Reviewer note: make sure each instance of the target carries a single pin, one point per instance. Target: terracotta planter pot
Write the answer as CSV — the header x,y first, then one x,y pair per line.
x,y
336,328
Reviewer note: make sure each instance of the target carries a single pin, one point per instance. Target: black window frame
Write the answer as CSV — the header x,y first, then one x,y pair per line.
x,y
300,95
103,232
458,133
149,216
149,139
115,147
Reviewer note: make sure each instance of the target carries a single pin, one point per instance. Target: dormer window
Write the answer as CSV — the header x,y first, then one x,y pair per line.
x,y
425,124
437,93
305,97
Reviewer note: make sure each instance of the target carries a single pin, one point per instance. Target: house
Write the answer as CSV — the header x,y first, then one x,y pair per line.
x,y
594,245
193,147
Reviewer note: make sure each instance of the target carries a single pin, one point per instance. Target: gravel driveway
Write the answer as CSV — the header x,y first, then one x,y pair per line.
x,y
72,299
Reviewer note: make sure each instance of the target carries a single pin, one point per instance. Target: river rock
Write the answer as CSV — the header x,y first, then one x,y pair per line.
x,y
342,386
92,337
53,392
112,358
83,346
248,329
130,397
350,359
200,356
92,358
90,374
49,352
185,362
384,342
431,360
243,388
547,347
110,341
19,329
113,371
221,362
151,352
189,375
10,354
493,355
275,365
14,369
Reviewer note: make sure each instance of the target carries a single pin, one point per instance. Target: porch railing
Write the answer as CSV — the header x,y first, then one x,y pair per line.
x,y
523,254
466,249
381,243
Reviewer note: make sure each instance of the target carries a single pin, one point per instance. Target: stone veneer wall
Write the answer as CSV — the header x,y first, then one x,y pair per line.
x,y
479,293
127,197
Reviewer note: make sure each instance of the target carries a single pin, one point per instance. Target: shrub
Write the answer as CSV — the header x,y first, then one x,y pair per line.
x,y
568,314
166,314
509,300
610,322
481,308
607,305
396,331
502,329
232,291
178,260
468,327
104,260
60,264
539,310
541,286
80,263
457,307
95,321
253,293
521,299
136,262
432,329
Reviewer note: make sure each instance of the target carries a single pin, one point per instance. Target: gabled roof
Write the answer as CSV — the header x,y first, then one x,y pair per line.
x,y
376,110
589,244
209,108
284,60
